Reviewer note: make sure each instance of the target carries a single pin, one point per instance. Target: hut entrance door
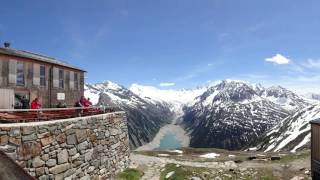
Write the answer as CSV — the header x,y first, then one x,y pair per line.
x,y
6,99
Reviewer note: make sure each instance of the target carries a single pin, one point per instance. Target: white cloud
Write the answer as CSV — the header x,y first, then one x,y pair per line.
x,y
166,84
278,59
312,63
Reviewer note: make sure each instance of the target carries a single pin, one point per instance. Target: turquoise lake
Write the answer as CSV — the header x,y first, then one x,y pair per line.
x,y
169,141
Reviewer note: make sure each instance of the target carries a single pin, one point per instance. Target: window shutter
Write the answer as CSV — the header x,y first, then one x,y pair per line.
x,y
71,80
12,71
55,77
36,74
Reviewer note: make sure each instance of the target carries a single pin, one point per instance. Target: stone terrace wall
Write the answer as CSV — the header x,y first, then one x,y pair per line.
x,y
91,147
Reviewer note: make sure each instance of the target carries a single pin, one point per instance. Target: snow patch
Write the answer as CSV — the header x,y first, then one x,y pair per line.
x,y
210,155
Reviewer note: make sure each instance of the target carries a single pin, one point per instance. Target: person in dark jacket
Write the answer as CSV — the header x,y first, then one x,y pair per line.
x,y
25,103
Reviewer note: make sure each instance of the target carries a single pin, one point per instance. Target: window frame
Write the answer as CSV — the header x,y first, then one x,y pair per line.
x,y
42,76
20,72
76,81
61,79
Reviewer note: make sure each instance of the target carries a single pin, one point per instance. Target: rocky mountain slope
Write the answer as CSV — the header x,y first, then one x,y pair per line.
x,y
292,133
144,118
231,114
283,97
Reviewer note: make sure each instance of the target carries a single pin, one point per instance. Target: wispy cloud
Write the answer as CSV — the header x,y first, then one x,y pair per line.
x,y
197,71
312,63
278,59
166,84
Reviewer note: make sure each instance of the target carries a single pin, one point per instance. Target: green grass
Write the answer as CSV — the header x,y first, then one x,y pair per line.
x,y
130,174
295,156
181,172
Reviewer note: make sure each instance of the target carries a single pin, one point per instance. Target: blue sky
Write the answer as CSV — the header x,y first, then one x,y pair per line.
x,y
174,43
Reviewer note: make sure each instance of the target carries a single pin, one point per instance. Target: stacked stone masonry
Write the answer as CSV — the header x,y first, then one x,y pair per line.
x,y
93,147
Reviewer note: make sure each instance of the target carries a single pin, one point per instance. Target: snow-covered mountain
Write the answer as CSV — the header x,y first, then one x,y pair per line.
x,y
285,98
230,115
292,133
227,114
176,99
144,118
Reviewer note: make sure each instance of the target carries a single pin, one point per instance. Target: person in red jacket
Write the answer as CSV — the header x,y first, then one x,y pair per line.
x,y
35,104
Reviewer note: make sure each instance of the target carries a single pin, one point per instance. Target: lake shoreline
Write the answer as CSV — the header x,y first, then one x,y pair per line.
x,y
181,136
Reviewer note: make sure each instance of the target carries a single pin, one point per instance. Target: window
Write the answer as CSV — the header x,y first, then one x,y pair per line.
x,y
42,75
76,81
61,79
20,73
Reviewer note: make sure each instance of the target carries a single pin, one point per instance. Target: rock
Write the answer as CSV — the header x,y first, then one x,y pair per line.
x,y
114,132
169,174
71,139
51,162
15,141
37,162
72,151
307,172
46,141
195,178
15,132
76,156
44,177
275,158
81,135
45,157
83,145
297,178
227,175
61,138
30,137
28,150
88,155
4,140
62,156
86,177
40,171
90,169
107,133
28,130
59,168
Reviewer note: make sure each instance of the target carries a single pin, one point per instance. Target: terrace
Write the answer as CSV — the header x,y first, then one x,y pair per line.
x,y
47,114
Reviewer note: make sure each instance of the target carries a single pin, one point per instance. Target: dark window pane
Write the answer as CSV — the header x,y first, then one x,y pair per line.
x,y
42,75
61,79
76,81
20,73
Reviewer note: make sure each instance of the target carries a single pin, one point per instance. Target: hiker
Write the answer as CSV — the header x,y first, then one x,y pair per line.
x,y
35,104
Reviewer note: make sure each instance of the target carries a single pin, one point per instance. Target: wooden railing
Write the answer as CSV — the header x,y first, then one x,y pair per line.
x,y
45,114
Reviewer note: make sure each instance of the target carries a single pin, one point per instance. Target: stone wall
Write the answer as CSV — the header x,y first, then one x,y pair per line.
x,y
91,147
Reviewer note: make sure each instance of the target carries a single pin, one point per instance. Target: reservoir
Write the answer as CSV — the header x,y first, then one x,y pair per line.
x,y
169,141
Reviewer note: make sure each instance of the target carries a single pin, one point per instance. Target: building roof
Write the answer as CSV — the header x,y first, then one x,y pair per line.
x,y
38,57
315,121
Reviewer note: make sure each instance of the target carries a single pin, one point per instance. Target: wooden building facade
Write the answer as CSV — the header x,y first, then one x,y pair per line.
x,y
315,149
25,75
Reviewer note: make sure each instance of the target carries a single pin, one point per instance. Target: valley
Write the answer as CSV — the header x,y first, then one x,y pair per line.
x,y
232,115
191,163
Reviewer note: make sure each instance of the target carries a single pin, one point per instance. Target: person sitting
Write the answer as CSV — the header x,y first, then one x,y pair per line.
x,y
82,101
87,103
35,104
